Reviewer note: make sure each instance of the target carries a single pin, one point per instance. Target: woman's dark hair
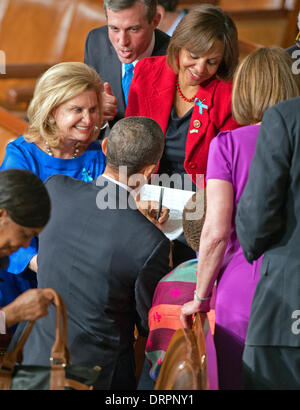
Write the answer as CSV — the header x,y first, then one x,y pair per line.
x,y
198,31
24,197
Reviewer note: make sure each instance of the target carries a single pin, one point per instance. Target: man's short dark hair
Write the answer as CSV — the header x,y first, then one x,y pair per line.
x,y
134,142
24,197
117,5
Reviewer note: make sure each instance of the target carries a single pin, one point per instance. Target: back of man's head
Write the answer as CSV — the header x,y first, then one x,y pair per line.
x,y
134,142
117,5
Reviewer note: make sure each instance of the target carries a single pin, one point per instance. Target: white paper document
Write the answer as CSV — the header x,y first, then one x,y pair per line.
x,y
175,200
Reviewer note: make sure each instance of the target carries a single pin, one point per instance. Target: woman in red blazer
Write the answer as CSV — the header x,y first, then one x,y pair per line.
x,y
188,92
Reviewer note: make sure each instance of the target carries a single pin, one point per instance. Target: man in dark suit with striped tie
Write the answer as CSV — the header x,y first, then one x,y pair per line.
x,y
113,50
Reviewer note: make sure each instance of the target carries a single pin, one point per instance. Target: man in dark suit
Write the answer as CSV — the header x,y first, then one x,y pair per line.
x,y
268,222
104,257
129,36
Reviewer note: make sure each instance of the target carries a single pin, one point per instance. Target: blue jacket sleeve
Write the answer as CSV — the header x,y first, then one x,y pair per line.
x,y
15,158
19,260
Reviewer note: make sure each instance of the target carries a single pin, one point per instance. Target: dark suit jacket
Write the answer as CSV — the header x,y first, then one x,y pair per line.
x,y
268,222
100,54
105,263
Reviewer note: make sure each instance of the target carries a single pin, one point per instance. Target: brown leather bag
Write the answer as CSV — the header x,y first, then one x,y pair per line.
x,y
60,375
185,364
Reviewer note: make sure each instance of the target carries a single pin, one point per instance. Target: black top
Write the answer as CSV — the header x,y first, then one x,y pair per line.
x,y
172,161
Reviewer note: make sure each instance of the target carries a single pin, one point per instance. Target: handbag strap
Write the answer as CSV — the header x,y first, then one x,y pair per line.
x,y
16,355
59,354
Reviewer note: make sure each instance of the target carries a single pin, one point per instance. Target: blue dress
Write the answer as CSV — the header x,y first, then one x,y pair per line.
x,y
26,155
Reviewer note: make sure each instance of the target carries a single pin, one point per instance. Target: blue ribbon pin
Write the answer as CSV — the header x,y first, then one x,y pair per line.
x,y
86,176
201,105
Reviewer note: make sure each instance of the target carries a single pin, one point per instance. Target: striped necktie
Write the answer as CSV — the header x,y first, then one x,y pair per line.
x,y
126,80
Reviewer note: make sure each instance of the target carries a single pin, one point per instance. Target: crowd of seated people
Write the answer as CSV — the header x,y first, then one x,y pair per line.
x,y
144,103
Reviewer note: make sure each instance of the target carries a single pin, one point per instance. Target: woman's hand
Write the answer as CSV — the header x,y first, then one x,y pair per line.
x,y
30,305
192,307
187,310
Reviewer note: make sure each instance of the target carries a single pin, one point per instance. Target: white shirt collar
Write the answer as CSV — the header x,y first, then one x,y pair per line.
x,y
133,192
117,182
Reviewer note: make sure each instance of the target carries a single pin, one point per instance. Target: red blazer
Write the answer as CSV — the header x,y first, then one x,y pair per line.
x,y
151,95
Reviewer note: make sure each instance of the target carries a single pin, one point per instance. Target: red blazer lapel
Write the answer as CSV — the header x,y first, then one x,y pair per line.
x,y
159,101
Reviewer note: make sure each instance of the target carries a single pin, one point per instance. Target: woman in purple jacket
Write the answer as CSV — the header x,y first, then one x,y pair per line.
x,y
264,78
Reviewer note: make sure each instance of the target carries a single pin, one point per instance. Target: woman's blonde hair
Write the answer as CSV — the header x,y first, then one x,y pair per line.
x,y
57,85
198,31
264,78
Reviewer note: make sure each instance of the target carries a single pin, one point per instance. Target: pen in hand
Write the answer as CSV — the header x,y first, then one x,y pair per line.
x,y
161,195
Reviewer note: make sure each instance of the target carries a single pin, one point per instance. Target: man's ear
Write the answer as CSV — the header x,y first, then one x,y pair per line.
x,y
148,170
104,145
161,11
156,19
3,212
3,216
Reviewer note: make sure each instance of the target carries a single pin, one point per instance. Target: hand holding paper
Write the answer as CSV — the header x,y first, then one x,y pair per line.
x,y
174,200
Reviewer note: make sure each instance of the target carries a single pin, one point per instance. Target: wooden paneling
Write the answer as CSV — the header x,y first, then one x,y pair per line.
x,y
87,16
35,34
267,22
11,127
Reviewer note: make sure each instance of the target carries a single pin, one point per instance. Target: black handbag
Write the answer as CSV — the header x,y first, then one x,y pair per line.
x,y
60,375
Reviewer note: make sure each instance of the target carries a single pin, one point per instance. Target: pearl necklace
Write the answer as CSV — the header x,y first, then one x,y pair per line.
x,y
75,153
181,94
